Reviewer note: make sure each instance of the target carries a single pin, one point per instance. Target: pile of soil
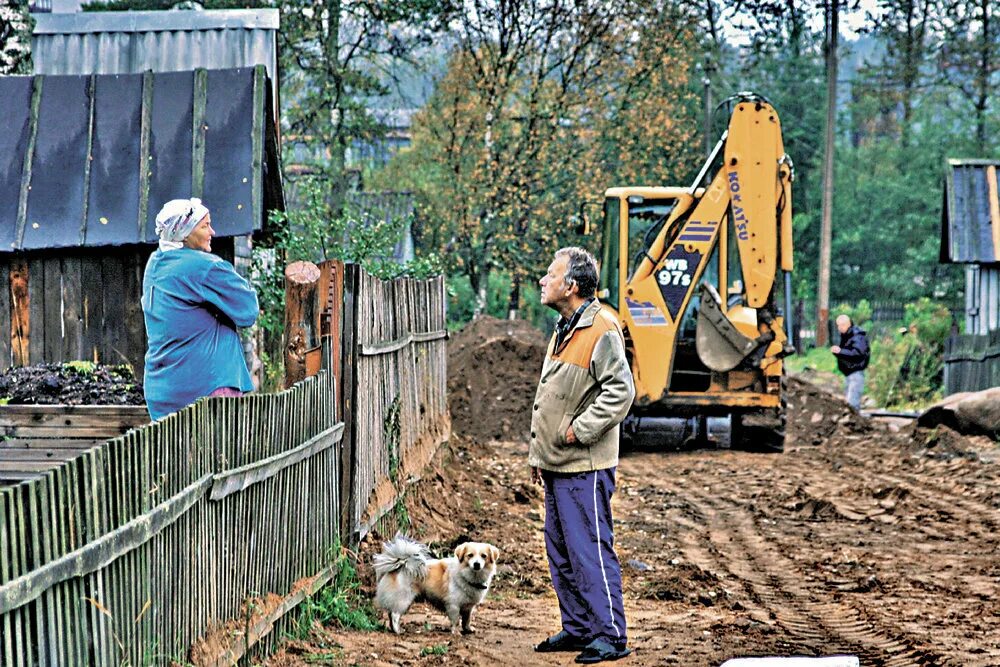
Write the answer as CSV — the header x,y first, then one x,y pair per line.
x,y
493,369
814,414
75,383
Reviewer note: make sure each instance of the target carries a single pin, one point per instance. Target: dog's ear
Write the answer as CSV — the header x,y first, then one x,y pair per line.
x,y
494,553
460,551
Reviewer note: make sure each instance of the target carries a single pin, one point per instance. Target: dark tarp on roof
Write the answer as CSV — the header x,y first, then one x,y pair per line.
x,y
89,160
970,220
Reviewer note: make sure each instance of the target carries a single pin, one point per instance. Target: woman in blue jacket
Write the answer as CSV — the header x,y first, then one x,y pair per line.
x,y
193,302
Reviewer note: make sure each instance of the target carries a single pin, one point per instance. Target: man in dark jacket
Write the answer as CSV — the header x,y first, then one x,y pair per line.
x,y
852,355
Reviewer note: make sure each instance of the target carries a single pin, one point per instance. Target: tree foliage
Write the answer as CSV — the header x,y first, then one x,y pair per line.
x,y
15,38
544,105
334,53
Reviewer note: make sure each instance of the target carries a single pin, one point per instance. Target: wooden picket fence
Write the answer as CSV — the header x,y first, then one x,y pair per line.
x,y
395,391
971,362
191,539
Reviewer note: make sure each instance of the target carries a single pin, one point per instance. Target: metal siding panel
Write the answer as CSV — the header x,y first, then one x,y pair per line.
x,y
992,277
229,151
55,202
969,215
150,21
15,94
971,294
106,43
981,229
171,141
113,210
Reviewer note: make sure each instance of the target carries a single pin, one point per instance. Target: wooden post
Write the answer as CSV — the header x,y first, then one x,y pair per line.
x,y
300,305
332,324
348,400
20,312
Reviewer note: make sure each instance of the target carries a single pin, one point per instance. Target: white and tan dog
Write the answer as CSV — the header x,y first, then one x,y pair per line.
x,y
406,573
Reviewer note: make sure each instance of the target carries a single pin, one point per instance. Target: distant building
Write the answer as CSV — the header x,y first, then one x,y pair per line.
x,y
970,235
377,152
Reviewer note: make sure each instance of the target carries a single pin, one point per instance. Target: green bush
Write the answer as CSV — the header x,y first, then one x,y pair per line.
x,y
341,602
860,313
907,367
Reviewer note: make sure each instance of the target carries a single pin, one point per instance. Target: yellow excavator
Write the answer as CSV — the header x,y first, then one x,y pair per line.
x,y
692,275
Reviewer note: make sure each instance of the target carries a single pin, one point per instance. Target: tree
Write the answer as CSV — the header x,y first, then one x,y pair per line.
x,y
826,229
906,28
543,105
15,38
331,53
970,59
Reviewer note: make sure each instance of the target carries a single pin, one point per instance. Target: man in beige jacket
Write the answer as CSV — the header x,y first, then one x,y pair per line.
x,y
585,391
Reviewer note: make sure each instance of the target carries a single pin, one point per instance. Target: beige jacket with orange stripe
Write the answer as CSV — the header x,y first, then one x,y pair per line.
x,y
587,383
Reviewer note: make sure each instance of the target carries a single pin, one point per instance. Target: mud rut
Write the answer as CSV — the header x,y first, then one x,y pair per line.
x,y
857,539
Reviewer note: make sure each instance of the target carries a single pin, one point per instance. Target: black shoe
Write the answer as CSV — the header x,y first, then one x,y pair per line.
x,y
599,651
561,641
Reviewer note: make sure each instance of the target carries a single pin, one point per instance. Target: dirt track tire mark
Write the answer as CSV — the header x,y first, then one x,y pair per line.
x,y
776,583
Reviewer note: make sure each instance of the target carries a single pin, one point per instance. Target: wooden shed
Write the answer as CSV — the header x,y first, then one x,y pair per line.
x,y
85,165
970,235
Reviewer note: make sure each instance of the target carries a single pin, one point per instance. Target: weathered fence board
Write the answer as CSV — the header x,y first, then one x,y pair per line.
x,y
122,552
397,388
972,362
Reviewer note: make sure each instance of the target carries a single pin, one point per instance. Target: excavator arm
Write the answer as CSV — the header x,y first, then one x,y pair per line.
x,y
745,205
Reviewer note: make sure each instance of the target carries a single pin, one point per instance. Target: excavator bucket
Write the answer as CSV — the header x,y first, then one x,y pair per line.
x,y
720,345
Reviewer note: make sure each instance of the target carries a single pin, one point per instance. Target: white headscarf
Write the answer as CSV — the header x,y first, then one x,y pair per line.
x,y
176,220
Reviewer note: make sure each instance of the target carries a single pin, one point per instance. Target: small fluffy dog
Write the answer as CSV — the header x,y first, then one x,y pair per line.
x,y
406,573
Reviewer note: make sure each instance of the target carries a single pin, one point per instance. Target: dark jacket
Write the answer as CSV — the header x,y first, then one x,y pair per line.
x,y
854,351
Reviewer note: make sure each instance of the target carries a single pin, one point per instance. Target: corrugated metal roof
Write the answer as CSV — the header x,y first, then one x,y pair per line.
x,y
970,217
89,160
160,41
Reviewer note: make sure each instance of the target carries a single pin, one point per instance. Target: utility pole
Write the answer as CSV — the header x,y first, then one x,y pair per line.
x,y
707,82
826,228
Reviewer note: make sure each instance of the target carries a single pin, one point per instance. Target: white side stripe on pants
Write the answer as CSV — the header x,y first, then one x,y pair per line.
x,y
600,557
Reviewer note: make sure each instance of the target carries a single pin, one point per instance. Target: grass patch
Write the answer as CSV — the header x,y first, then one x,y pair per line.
x,y
436,649
814,359
339,603
83,367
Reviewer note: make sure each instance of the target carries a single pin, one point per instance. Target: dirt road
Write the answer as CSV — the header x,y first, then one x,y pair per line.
x,y
858,539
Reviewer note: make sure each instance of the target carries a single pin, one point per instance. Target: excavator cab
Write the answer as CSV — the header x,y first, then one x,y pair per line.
x,y
693,276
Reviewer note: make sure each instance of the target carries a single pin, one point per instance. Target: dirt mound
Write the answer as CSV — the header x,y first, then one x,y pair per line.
x,y
815,415
493,368
72,383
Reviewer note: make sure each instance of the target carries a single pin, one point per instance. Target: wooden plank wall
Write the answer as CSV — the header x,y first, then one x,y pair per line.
x,y
972,362
174,528
400,408
38,438
73,304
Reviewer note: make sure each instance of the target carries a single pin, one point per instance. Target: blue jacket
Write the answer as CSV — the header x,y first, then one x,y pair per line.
x,y
192,302
854,352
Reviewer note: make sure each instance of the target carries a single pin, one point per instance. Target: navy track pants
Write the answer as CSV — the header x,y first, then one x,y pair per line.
x,y
579,542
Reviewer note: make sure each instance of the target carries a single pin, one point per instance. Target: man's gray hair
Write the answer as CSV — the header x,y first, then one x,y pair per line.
x,y
581,270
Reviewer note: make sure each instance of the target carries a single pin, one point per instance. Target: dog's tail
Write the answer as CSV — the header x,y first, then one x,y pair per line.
x,y
402,553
